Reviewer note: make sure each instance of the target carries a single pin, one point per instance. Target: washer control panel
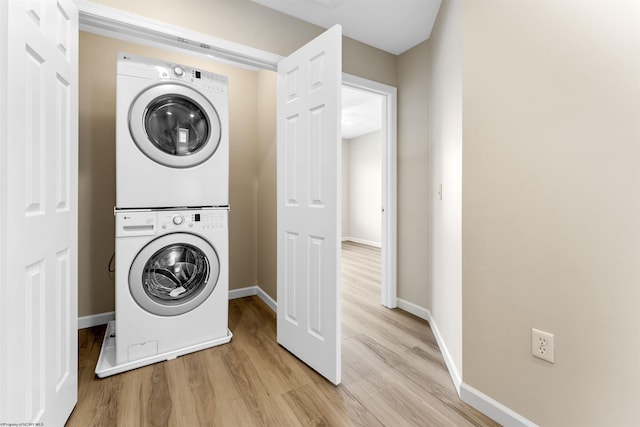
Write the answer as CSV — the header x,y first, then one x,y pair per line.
x,y
148,222
192,220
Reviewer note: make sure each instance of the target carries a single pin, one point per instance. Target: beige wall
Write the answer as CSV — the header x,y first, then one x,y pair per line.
x,y
361,180
97,167
368,62
551,207
413,177
445,130
267,225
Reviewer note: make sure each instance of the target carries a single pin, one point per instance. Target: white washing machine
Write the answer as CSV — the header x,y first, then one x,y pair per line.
x,y
172,135
172,287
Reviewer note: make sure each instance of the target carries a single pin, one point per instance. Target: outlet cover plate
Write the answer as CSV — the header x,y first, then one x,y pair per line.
x,y
542,345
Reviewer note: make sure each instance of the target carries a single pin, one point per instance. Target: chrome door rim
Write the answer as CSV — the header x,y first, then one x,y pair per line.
x,y
137,114
137,268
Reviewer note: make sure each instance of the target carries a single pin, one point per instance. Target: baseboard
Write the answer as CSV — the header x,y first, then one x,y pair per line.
x,y
361,241
254,290
104,318
96,319
492,408
448,360
414,309
425,314
273,305
243,292
483,403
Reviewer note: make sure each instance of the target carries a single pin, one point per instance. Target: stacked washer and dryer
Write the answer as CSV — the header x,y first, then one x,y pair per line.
x,y
172,207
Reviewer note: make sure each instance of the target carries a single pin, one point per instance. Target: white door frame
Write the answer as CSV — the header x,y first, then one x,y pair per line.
x,y
118,24
389,179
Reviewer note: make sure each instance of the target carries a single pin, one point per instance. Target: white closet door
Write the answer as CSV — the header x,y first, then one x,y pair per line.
x,y
38,211
309,141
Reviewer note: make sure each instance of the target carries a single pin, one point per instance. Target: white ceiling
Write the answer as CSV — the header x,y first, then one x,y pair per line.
x,y
394,26
361,112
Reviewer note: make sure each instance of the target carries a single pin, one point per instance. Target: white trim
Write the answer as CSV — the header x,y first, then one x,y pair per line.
x,y
273,305
243,292
254,290
104,318
456,378
389,183
96,319
480,401
414,309
361,241
492,408
425,314
118,24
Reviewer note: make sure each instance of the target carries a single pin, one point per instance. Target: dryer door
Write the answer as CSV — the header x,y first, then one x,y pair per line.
x,y
174,274
174,125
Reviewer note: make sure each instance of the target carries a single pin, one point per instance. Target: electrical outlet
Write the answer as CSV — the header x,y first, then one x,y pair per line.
x,y
542,345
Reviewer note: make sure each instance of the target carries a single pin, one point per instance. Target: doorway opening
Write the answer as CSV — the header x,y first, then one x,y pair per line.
x,y
369,180
361,192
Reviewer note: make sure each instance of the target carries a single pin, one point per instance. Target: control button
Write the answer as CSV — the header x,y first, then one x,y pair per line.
x,y
178,219
178,71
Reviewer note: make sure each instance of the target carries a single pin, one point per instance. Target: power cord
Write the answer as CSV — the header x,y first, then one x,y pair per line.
x,y
111,267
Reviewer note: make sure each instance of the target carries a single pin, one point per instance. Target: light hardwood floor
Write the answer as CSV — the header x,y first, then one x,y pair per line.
x,y
392,373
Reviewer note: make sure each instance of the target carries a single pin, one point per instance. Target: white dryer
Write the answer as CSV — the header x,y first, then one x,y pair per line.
x,y
172,285
172,135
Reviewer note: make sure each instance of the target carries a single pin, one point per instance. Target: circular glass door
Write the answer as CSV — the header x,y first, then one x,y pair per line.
x,y
174,274
174,125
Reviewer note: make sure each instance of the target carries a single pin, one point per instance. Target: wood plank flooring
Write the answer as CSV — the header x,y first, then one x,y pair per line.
x,y
392,373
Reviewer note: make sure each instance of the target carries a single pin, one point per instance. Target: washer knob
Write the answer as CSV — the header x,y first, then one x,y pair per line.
x,y
178,71
178,219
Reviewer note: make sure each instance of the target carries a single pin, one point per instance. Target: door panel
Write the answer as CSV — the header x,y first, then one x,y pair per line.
x,y
38,196
309,84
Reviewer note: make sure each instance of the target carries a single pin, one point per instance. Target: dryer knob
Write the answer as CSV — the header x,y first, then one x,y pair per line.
x,y
178,71
178,219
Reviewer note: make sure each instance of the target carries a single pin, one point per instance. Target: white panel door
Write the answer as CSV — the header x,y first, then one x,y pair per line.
x,y
309,141
38,211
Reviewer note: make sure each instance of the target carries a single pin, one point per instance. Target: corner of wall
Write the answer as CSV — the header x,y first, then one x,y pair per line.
x,y
445,130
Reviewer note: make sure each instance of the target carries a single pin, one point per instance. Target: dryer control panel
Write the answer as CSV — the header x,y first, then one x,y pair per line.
x,y
136,66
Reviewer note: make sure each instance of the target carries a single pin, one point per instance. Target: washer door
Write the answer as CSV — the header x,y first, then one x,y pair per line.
x,y
174,274
174,125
